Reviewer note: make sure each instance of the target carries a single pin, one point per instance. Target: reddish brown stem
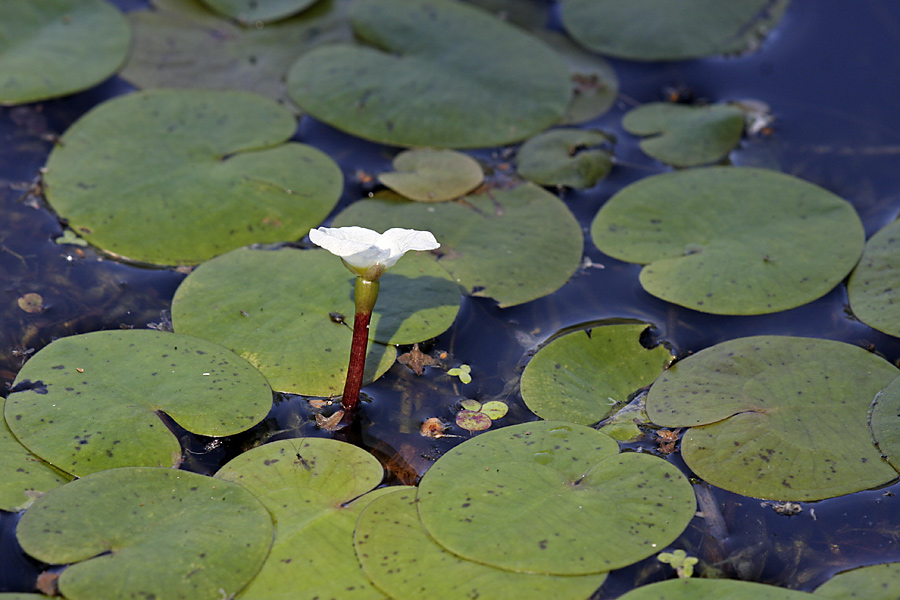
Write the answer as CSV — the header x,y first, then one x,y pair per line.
x,y
357,363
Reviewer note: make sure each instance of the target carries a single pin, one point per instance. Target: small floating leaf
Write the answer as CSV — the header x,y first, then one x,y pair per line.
x,y
495,409
51,48
423,78
273,308
315,489
208,171
511,245
148,533
874,286
648,30
399,557
730,240
585,378
182,44
463,372
589,509
686,136
765,413
711,589
96,398
258,11
572,157
430,175
472,420
875,582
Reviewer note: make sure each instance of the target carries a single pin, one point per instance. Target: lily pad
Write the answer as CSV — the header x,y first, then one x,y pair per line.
x,y
206,171
423,79
149,533
258,11
711,589
94,400
885,422
51,48
730,240
588,508
777,417
686,136
584,377
182,44
874,286
315,490
575,158
429,175
274,308
648,30
875,582
23,476
512,245
399,557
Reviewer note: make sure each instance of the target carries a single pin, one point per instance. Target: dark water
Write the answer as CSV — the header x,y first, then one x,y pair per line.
x,y
829,74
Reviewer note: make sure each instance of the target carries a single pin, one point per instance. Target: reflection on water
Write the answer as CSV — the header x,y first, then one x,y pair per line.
x,y
828,76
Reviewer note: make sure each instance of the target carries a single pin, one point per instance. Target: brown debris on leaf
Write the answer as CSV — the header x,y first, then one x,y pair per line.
x,y
416,360
331,423
433,428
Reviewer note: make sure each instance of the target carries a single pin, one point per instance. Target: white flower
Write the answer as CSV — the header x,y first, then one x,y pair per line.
x,y
369,253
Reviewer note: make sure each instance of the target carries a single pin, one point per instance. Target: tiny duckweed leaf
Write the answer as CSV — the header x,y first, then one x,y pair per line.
x,y
182,44
399,557
495,409
875,582
100,397
315,489
874,286
512,245
729,240
208,171
686,136
273,307
585,379
175,534
23,476
422,79
885,422
429,175
648,30
589,510
763,411
463,372
258,11
571,157
711,589
471,420
51,48
680,561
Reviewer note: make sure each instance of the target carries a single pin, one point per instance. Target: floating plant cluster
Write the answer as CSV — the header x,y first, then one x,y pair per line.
x,y
198,168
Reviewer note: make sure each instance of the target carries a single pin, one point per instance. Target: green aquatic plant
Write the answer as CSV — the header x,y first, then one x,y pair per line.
x,y
368,254
680,561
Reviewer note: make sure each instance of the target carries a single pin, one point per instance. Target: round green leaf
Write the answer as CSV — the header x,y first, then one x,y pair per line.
x,y
400,558
512,245
572,157
95,400
274,309
182,44
874,286
711,589
686,136
777,417
585,376
471,420
424,79
23,476
875,582
588,509
648,30
258,11
315,490
730,240
149,533
207,171
429,175
51,48
885,422
495,409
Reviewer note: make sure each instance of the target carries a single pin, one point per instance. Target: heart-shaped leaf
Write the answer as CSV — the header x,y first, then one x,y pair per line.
x,y
430,175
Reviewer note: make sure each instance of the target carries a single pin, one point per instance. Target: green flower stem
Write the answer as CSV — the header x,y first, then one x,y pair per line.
x,y
365,295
